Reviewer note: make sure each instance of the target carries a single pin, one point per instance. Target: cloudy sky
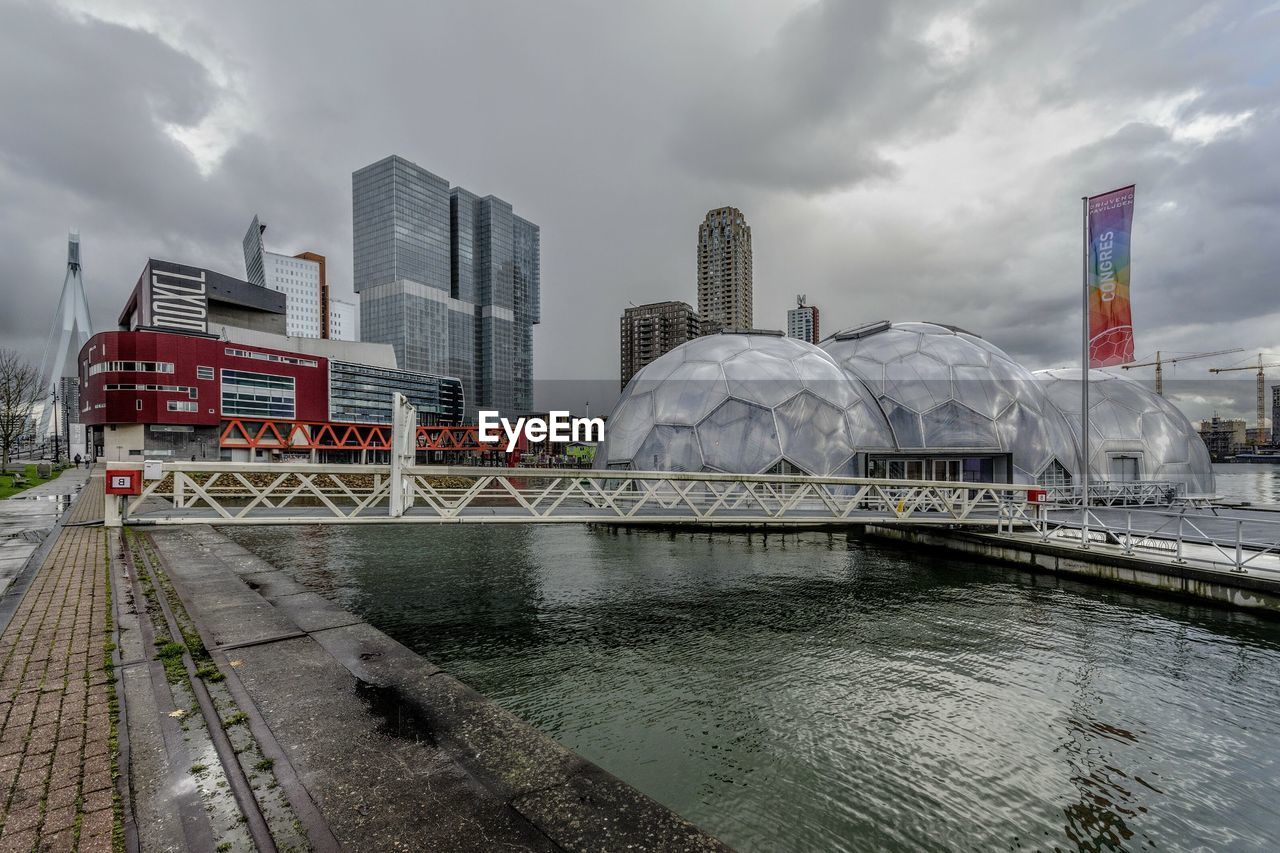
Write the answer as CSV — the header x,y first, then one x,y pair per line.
x,y
895,160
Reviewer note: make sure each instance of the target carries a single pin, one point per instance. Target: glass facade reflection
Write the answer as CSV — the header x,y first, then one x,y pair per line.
x,y
451,280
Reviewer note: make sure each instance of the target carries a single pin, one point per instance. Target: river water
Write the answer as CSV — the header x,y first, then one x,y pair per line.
x,y
1256,482
813,692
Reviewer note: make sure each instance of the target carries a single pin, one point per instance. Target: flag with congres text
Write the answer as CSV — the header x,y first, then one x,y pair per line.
x,y
1110,319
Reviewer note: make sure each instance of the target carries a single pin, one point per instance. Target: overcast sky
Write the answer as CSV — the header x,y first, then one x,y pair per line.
x,y
895,160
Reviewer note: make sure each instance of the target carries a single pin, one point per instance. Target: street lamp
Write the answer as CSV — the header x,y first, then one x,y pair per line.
x,y
57,431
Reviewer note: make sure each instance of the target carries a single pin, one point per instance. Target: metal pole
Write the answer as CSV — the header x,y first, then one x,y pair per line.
x,y
1084,377
1239,546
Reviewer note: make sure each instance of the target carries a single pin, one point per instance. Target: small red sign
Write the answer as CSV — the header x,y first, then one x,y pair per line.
x,y
124,482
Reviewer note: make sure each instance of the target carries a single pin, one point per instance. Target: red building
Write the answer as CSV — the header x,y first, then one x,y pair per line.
x,y
181,380
180,388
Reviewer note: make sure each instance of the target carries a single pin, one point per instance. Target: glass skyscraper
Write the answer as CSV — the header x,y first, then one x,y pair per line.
x,y
449,279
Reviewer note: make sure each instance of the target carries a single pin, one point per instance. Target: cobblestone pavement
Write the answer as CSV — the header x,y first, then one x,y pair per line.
x,y
56,745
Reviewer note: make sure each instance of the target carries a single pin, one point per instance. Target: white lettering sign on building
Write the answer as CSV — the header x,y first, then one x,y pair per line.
x,y
178,301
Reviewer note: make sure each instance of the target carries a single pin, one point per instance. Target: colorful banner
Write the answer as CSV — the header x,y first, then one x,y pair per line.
x,y
1110,320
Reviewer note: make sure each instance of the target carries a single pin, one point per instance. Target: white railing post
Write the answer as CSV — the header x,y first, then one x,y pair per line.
x,y
1239,546
1128,532
1178,559
404,428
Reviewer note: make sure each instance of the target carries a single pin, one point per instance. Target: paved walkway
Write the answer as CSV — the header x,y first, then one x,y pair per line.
x,y
27,517
56,787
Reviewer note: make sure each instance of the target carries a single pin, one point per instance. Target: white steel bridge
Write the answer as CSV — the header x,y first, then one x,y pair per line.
x,y
285,493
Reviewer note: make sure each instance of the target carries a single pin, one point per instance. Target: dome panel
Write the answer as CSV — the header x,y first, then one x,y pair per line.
x,y
670,448
689,393
740,437
955,425
627,427
758,377
813,433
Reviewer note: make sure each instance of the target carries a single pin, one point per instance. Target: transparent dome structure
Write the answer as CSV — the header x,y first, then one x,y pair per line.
x,y
1134,433
942,388
744,403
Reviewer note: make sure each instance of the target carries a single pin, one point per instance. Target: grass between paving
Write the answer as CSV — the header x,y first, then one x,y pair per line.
x,y
113,706
8,489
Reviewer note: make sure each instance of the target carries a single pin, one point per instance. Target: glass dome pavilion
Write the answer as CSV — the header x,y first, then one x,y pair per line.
x,y
960,407
744,402
891,400
1134,433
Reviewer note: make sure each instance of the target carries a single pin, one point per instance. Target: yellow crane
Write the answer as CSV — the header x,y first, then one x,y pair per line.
x,y
1159,363
1262,388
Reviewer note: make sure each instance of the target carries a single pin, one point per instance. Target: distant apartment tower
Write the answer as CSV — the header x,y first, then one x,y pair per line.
x,y
301,278
1275,415
451,280
724,271
802,321
649,331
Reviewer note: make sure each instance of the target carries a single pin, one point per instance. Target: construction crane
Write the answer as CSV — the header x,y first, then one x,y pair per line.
x,y
1262,388
1159,363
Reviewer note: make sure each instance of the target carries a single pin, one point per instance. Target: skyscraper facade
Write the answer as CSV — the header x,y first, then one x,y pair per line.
x,y
450,279
724,271
309,310
649,331
802,322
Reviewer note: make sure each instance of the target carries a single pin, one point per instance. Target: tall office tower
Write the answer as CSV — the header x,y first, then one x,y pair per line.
x,y
301,278
802,321
649,331
450,279
724,271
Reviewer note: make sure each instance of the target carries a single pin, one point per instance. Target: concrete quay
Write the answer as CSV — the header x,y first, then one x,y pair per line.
x,y
372,746
170,691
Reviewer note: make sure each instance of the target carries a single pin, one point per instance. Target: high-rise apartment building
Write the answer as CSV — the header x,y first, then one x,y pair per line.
x,y
649,331
802,321
1275,415
450,279
724,271
301,278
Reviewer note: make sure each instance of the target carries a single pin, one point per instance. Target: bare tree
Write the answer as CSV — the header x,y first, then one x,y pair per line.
x,y
19,391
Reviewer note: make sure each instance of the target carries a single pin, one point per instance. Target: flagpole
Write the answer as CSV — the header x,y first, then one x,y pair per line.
x,y
1084,381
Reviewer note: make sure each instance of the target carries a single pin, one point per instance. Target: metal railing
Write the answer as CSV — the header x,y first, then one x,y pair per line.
x,y
289,493
1129,493
1214,538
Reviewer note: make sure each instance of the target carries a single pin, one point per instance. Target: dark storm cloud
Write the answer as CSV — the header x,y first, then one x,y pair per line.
x,y
919,160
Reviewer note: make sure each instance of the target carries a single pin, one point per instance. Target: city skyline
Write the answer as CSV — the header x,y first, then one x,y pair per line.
x,y
876,198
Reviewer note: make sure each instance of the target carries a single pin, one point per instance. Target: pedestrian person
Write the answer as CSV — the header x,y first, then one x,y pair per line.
x,y
77,460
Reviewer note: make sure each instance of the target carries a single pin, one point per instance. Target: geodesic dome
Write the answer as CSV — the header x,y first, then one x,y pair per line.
x,y
942,388
1126,419
743,403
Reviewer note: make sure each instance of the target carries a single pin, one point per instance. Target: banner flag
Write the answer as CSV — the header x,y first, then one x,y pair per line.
x,y
1110,319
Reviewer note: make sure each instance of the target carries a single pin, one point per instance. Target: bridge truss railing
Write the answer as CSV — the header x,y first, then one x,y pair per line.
x,y
1117,493
1237,541
282,493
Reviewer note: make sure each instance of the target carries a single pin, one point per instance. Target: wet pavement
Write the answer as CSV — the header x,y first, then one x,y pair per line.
x,y
27,517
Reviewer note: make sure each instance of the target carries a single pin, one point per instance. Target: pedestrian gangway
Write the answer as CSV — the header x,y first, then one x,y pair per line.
x,y
306,493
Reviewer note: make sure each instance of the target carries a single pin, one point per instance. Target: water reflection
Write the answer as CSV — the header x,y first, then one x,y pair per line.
x,y
1256,482
813,693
